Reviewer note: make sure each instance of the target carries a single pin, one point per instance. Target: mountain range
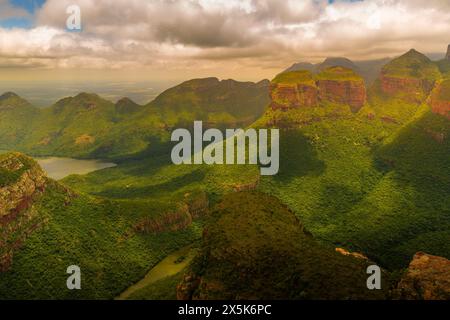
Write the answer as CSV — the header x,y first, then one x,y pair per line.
x,y
364,179
369,69
89,126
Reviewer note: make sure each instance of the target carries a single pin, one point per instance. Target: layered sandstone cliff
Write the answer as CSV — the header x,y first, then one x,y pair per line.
x,y
295,89
285,96
193,206
300,89
412,89
349,92
22,181
427,278
439,100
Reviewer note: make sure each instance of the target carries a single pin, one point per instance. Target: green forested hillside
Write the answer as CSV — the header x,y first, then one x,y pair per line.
x,y
16,117
88,126
255,248
218,103
353,187
412,64
99,235
374,181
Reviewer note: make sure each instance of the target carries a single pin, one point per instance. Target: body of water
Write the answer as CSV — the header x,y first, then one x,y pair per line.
x,y
59,168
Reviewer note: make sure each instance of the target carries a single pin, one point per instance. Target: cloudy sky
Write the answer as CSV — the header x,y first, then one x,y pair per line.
x,y
177,40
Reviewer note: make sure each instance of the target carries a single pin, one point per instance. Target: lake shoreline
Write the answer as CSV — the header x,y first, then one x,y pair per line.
x,y
59,168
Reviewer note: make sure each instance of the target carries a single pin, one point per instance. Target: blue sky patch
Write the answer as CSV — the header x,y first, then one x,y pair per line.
x,y
24,22
29,5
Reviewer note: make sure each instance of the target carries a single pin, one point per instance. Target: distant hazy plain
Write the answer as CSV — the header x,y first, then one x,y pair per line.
x,y
45,93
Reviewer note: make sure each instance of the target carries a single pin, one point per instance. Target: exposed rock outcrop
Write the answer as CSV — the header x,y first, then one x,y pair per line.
x,y
352,254
427,278
84,139
412,89
293,96
194,205
300,89
447,56
175,220
295,89
352,93
410,77
187,287
440,99
22,182
26,179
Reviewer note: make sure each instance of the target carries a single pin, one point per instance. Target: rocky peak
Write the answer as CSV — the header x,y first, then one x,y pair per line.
x,y
447,56
413,52
413,56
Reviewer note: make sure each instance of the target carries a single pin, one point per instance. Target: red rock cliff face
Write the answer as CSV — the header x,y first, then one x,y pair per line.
x,y
352,93
438,104
194,206
18,219
441,107
412,89
286,96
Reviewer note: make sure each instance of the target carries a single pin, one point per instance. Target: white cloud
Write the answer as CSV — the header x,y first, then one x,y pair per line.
x,y
212,33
